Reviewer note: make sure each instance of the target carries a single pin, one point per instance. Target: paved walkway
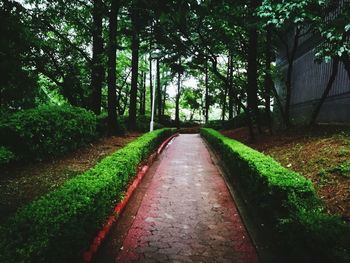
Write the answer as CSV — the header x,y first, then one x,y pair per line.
x,y
187,213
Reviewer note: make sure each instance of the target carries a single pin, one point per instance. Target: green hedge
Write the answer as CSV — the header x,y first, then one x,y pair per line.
x,y
286,199
46,131
60,225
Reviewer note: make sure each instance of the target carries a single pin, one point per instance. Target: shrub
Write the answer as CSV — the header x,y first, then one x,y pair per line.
x,y
60,225
102,125
241,120
6,155
286,199
47,131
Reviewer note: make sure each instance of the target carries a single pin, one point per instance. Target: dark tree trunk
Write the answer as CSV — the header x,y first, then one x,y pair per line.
x,y
159,93
135,46
252,73
335,68
141,93
97,73
112,49
164,100
224,103
268,82
150,80
346,63
177,99
230,91
206,92
291,58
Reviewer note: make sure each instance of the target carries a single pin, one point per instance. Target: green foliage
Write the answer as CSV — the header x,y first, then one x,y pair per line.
x,y
286,199
241,120
17,82
102,125
6,155
47,131
343,169
60,225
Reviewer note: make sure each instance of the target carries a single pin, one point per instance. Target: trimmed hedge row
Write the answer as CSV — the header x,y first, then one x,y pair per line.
x,y
287,200
60,225
46,131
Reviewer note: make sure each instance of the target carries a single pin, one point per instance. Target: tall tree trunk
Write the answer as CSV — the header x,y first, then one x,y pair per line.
x,y
164,100
177,99
291,58
230,91
112,49
150,78
346,62
97,73
226,90
252,71
159,93
135,46
206,92
143,95
335,69
268,82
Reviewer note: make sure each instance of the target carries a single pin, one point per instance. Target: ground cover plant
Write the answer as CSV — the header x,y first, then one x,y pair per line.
x,y
47,131
58,226
288,200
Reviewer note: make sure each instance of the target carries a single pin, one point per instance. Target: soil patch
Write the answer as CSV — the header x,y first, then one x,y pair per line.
x,y
321,154
23,183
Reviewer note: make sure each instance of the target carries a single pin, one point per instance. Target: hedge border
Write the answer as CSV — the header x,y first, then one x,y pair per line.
x,y
46,230
287,200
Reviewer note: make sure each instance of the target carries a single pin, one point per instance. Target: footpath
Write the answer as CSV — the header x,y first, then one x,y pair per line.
x,y
185,213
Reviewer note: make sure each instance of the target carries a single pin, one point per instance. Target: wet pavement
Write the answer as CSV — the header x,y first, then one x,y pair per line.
x,y
186,214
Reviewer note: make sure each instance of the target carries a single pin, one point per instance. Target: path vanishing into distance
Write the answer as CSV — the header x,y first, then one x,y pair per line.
x,y
183,212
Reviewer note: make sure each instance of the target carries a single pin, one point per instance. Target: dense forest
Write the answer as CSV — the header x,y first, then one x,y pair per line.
x,y
108,56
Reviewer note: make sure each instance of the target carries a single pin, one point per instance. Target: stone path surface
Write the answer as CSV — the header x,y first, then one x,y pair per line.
x,y
187,213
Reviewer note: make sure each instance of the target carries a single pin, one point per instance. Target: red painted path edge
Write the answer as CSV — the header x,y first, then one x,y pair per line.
x,y
97,241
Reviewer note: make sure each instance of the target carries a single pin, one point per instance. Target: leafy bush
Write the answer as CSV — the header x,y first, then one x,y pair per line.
x,y
60,225
286,199
102,125
47,131
241,120
6,155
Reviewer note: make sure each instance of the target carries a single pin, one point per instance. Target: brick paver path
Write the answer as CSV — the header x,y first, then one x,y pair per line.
x,y
187,213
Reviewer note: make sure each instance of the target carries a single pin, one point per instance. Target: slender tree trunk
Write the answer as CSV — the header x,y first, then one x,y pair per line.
x,y
150,79
224,103
206,92
335,69
112,49
141,93
346,63
135,46
97,73
177,99
230,91
159,93
290,74
252,72
268,82
164,100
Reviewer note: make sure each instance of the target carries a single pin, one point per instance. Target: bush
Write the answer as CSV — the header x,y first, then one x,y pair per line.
x,y
102,125
47,131
6,155
241,120
286,199
59,226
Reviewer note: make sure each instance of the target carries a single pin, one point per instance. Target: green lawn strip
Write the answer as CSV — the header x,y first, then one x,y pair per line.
x,y
59,226
286,199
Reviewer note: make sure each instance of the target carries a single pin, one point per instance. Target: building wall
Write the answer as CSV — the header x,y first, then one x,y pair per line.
x,y
309,80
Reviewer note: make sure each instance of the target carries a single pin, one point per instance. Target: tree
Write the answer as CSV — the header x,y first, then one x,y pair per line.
x,y
290,21
112,49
